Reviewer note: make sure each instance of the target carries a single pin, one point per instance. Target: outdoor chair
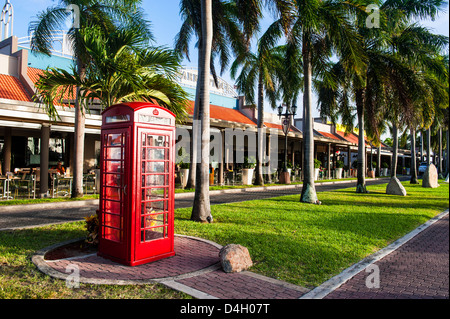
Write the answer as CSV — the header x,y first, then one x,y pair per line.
x,y
89,184
2,186
237,177
229,177
61,186
6,187
21,188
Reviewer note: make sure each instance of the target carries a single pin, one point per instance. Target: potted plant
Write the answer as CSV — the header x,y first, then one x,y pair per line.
x,y
289,167
355,168
184,167
317,165
384,169
371,171
184,173
247,170
297,171
339,168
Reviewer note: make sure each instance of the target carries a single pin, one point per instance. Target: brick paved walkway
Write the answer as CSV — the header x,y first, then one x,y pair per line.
x,y
419,269
243,285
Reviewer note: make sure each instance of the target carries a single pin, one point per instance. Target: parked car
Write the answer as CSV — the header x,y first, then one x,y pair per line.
x,y
422,168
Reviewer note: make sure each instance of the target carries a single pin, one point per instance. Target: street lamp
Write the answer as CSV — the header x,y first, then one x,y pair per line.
x,y
286,123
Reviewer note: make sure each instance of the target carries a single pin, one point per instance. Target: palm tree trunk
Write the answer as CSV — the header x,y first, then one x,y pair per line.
x,y
428,147
269,145
448,153
309,194
395,151
378,172
440,151
201,210
413,168
195,130
260,144
361,166
77,186
421,146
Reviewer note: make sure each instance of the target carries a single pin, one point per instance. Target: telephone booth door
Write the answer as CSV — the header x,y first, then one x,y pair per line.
x,y
154,210
114,180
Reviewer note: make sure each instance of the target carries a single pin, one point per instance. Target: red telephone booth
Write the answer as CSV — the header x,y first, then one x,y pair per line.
x,y
137,183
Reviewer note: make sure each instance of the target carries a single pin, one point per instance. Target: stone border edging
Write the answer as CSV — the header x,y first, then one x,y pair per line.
x,y
332,284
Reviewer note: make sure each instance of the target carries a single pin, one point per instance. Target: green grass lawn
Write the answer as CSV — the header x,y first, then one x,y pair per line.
x,y
216,187
308,244
299,243
20,279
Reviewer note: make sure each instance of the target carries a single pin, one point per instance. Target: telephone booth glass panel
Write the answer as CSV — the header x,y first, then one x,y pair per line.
x,y
113,171
155,186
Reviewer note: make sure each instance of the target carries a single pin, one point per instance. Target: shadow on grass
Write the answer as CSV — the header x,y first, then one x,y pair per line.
x,y
30,240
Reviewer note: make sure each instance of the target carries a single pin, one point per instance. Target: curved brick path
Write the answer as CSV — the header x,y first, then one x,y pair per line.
x,y
195,270
191,255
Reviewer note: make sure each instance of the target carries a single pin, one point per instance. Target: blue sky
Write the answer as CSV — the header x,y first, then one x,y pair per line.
x,y
165,20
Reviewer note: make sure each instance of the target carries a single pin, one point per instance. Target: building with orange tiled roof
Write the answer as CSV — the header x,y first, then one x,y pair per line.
x,y
24,123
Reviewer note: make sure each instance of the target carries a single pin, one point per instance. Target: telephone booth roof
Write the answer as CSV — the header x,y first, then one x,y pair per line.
x,y
138,105
134,107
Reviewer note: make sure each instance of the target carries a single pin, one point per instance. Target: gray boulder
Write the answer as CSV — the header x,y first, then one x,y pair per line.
x,y
430,177
235,258
395,187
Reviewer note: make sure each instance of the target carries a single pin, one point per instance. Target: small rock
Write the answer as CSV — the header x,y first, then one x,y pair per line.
x,y
430,177
395,187
235,258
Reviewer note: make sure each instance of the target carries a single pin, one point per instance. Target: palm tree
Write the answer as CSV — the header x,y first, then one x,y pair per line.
x,y
104,13
383,77
226,26
201,210
326,25
260,72
419,49
205,30
122,69
413,46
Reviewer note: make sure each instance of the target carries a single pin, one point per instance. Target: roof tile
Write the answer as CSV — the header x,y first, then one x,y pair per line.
x,y
224,113
11,88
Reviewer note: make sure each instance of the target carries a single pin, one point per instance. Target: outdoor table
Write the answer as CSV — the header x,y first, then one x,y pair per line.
x,y
6,186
